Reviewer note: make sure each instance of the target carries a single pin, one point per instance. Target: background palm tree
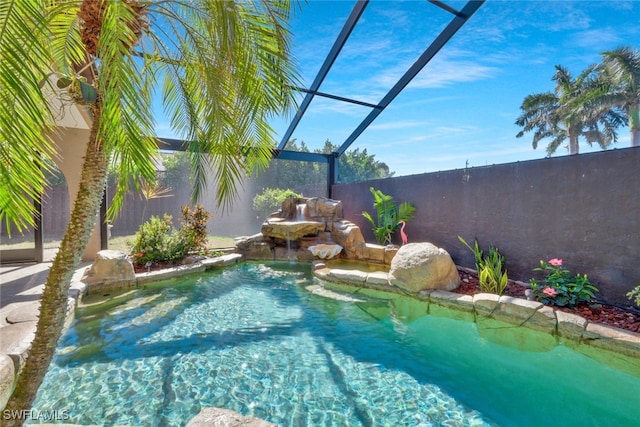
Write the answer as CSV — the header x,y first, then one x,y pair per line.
x,y
220,68
622,69
570,112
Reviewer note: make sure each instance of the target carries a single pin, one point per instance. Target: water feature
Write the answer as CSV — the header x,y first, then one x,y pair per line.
x,y
252,339
300,216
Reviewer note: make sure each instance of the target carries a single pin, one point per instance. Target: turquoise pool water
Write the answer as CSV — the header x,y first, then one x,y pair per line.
x,y
252,339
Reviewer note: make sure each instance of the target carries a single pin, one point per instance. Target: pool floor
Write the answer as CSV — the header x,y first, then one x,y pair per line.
x,y
253,340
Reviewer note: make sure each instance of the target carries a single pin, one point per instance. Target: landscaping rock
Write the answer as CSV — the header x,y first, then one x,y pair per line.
x,y
321,207
485,303
7,378
543,320
570,325
354,277
279,228
222,261
374,253
111,270
378,278
16,341
613,339
452,300
419,266
519,311
254,247
349,236
167,273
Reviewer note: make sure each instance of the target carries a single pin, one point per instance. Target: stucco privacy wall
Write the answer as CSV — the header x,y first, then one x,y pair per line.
x,y
584,209
71,145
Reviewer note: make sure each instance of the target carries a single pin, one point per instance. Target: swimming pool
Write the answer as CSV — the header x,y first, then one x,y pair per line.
x,y
251,338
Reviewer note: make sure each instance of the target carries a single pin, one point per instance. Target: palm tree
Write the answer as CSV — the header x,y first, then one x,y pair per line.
x,y
622,68
570,112
223,69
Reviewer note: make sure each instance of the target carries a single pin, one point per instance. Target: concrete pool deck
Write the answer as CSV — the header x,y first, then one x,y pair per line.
x,y
21,288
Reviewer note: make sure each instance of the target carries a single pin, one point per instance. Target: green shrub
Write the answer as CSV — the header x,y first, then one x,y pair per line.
x,y
560,287
270,200
491,273
157,241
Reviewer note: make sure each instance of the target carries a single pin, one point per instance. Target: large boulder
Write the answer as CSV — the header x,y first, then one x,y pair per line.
x,y
110,270
321,207
349,236
421,266
254,247
314,208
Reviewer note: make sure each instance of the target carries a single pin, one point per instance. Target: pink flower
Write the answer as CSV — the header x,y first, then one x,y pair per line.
x,y
550,292
556,262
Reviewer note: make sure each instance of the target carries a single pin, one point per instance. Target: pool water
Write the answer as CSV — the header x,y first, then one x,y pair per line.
x,y
252,339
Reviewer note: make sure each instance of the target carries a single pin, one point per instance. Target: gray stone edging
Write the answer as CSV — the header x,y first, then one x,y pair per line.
x,y
516,311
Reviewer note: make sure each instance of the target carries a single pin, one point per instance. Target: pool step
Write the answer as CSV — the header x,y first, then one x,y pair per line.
x,y
323,292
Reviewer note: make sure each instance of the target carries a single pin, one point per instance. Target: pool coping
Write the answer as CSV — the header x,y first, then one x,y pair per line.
x,y
572,330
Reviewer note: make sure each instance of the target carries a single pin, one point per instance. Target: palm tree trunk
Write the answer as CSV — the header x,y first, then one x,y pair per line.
x,y
634,124
56,290
573,145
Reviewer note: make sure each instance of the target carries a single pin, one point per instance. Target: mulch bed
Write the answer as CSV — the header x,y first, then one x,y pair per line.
x,y
154,267
610,315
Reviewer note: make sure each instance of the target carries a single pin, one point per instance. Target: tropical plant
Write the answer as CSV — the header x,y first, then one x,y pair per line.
x,y
270,200
570,112
492,276
634,295
560,287
223,69
193,228
388,215
621,71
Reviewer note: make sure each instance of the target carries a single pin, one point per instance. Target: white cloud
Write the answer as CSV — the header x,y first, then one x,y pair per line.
x,y
596,39
398,124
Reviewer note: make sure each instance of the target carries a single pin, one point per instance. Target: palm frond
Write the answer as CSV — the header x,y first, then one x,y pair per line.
x,y
124,84
25,118
234,73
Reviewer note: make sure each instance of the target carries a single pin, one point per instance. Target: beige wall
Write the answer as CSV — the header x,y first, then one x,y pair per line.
x,y
71,145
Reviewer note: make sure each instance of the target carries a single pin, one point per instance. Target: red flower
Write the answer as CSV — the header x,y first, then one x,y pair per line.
x,y
550,292
556,262
139,255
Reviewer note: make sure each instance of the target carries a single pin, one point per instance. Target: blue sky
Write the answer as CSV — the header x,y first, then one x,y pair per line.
x,y
463,105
